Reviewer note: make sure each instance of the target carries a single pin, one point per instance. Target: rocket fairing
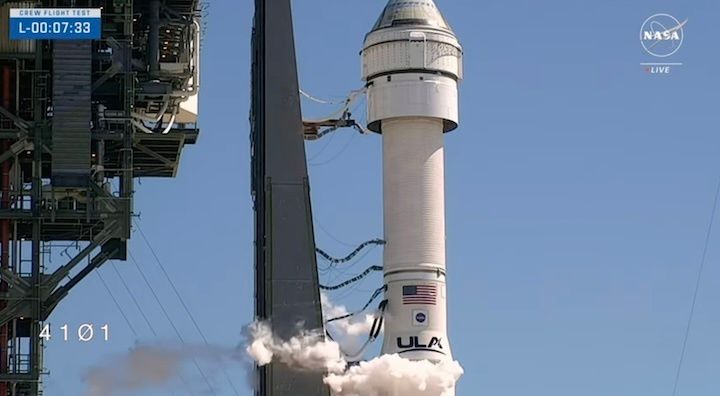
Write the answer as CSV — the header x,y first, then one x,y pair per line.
x,y
412,63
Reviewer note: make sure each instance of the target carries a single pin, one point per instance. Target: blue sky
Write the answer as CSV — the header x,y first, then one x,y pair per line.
x,y
579,191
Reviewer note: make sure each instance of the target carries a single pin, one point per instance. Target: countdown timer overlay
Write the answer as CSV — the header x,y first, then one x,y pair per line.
x,y
55,24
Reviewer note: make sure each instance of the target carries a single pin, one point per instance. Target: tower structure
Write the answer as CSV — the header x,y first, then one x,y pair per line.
x,y
286,277
79,121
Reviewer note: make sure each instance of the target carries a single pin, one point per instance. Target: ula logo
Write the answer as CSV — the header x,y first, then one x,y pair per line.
x,y
414,343
662,35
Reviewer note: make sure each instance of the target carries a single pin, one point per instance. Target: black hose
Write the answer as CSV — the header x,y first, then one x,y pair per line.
x,y
375,295
352,280
378,242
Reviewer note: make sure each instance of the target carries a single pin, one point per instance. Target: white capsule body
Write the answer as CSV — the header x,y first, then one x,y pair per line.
x,y
412,63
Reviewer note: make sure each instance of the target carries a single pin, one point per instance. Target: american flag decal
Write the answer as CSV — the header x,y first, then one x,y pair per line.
x,y
419,295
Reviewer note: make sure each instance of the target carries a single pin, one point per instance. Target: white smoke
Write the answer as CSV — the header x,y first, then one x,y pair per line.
x,y
391,374
388,374
153,366
143,367
357,325
156,366
307,351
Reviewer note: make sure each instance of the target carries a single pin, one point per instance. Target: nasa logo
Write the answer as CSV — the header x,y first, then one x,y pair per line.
x,y
657,36
662,35
414,344
420,318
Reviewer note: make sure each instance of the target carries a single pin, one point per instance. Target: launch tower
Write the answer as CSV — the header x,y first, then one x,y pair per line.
x,y
79,121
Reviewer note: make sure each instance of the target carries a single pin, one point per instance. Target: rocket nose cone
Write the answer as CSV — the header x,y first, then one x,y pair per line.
x,y
411,12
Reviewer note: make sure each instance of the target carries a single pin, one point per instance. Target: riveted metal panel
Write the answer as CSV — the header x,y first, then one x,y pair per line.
x,y
72,82
8,46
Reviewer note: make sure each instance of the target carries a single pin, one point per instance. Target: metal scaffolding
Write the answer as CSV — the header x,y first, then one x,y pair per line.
x,y
69,154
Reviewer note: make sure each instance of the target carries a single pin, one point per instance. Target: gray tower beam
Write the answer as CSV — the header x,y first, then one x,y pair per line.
x,y
286,279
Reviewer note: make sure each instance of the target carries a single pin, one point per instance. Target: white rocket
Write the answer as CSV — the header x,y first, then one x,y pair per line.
x,y
412,63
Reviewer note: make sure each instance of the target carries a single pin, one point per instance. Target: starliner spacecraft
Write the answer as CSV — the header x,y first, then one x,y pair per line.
x,y
412,64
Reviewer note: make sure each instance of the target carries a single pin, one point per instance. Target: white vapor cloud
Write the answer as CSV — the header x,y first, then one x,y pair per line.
x,y
307,351
355,326
387,374
393,375
153,366
159,366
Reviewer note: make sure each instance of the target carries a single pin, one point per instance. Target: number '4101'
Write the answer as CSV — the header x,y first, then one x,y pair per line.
x,y
85,332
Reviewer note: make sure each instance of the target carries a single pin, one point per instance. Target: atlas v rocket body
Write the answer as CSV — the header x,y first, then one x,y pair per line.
x,y
412,63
